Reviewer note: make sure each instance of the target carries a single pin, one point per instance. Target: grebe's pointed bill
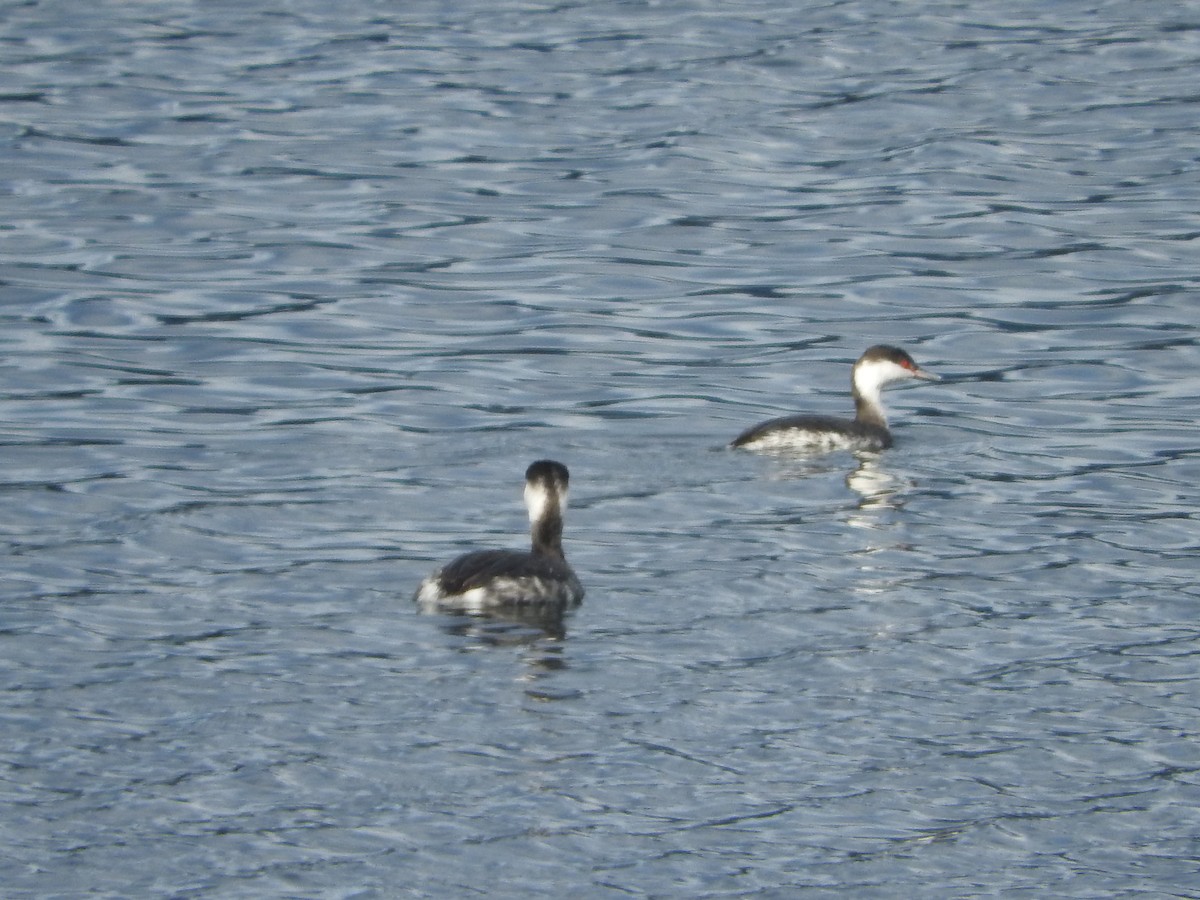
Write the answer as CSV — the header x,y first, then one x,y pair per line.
x,y
925,374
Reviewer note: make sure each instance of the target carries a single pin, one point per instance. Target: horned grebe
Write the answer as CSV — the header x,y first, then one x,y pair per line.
x,y
495,578
878,367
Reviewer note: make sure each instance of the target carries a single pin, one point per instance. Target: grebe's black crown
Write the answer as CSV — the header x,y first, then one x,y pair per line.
x,y
548,471
889,352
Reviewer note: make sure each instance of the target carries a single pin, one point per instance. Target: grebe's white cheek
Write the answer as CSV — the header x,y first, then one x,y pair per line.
x,y
872,376
537,501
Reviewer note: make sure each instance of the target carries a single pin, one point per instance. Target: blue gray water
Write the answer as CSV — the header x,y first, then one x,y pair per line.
x,y
290,294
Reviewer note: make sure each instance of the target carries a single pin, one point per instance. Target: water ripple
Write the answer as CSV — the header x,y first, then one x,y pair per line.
x,y
290,298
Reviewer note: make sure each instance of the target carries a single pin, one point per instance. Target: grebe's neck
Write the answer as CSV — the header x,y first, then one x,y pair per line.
x,y
546,536
866,386
546,503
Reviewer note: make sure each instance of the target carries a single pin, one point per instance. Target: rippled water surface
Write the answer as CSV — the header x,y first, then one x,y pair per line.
x,y
290,294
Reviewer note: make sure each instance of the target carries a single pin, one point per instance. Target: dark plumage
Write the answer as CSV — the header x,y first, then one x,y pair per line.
x,y
878,367
497,578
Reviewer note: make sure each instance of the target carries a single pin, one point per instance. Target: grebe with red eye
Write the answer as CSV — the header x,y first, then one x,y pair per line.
x,y
880,366
496,579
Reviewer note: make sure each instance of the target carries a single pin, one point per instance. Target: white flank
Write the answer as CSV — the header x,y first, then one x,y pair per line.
x,y
498,592
430,591
801,440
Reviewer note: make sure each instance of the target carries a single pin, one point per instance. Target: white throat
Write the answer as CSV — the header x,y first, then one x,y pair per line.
x,y
540,501
870,378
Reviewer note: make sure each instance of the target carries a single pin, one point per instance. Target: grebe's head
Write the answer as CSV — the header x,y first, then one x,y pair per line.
x,y
882,365
546,484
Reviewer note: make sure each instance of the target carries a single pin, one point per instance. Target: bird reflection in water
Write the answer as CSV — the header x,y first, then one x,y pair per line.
x,y
877,488
540,630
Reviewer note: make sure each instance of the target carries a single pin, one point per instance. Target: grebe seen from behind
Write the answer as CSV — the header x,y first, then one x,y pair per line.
x,y
493,579
878,367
